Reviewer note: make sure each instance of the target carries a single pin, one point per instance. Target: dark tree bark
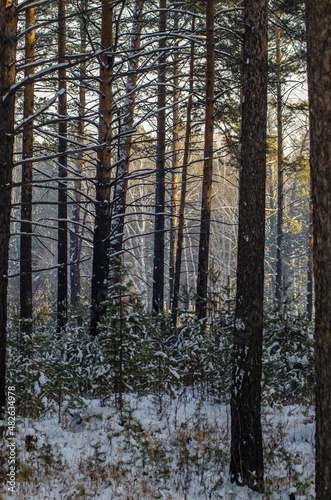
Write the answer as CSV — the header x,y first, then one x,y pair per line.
x,y
202,280
310,264
8,27
246,467
26,192
158,269
181,221
318,20
120,192
279,251
62,274
75,241
101,243
174,174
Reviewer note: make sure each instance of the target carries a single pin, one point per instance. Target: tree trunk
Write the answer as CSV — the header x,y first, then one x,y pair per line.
x,y
75,232
310,264
181,220
318,19
101,243
120,192
26,192
279,252
62,274
174,174
158,273
8,27
246,467
201,302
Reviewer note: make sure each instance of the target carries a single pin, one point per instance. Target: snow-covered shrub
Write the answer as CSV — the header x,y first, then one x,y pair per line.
x,y
288,352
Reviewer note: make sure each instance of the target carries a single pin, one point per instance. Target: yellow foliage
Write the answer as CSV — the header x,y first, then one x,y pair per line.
x,y
294,226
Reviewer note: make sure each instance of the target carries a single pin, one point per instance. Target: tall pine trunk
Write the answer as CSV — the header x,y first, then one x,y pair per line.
x,y
202,280
8,27
62,274
101,243
26,192
120,192
310,264
246,465
75,241
158,268
318,20
279,251
181,221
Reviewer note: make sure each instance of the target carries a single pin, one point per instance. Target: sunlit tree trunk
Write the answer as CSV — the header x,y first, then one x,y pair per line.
x,y
202,280
318,20
181,220
101,243
8,27
26,192
158,269
246,467
62,276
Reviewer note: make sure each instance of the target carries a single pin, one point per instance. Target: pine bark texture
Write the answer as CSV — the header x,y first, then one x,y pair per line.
x,y
182,203
8,27
101,242
318,20
202,279
26,192
120,192
62,274
246,465
310,264
158,267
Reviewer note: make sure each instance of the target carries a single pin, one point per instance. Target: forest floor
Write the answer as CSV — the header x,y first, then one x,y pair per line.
x,y
158,449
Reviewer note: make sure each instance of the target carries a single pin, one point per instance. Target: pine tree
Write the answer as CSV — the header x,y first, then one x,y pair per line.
x,y
158,270
62,286
8,27
101,242
246,434
202,280
318,21
26,192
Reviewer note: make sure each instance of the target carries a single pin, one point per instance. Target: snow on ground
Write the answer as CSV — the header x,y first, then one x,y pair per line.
x,y
166,449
